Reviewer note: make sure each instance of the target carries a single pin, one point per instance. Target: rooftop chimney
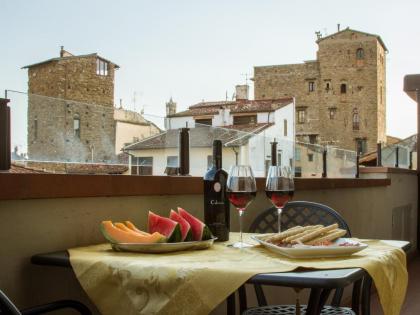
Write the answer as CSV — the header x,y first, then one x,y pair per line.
x,y
64,53
338,27
242,92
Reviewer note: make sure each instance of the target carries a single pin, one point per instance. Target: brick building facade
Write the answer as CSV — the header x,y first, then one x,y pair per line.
x,y
71,109
340,96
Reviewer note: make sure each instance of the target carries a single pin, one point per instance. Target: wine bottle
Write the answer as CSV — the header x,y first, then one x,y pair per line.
x,y
216,204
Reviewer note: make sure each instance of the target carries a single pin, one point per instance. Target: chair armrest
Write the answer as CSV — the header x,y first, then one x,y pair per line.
x,y
62,304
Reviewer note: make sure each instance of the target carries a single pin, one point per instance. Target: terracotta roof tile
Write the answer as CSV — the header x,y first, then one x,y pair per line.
x,y
240,106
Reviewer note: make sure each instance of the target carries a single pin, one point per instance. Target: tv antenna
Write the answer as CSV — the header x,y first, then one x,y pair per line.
x,y
246,75
134,99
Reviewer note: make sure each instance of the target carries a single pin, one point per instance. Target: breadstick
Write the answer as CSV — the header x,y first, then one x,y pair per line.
x,y
332,235
307,229
279,236
316,233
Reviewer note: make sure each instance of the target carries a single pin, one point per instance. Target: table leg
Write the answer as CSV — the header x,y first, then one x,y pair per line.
x,y
313,303
231,308
323,299
367,285
355,299
260,295
242,299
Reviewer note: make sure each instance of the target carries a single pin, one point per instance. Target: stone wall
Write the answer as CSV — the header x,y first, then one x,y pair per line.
x,y
336,64
60,92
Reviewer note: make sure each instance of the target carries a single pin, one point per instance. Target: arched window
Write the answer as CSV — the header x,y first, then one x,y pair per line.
x,y
76,125
343,88
360,54
356,120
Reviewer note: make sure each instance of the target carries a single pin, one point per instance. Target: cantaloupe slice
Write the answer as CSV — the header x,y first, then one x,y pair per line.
x,y
131,226
117,235
121,226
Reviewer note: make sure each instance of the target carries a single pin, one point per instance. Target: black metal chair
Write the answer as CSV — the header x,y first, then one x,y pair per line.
x,y
8,308
297,213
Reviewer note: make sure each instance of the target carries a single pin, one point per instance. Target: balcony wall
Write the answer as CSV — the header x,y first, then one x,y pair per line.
x,y
386,211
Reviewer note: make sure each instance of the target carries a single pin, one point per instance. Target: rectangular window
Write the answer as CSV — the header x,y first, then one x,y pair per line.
x,y
285,127
297,154
310,157
142,165
311,86
312,139
101,67
332,113
172,161
361,146
207,121
279,158
76,127
301,116
36,129
244,120
209,161
298,171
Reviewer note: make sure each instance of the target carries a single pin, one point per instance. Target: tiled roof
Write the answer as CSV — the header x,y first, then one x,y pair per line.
x,y
66,168
201,137
70,57
240,106
17,169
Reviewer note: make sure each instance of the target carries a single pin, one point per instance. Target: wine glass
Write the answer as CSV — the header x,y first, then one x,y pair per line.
x,y
241,190
279,188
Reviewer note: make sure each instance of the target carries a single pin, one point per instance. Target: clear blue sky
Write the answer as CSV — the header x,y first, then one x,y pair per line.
x,y
194,50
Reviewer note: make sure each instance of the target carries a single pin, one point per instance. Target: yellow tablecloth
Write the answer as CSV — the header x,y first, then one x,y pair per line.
x,y
195,282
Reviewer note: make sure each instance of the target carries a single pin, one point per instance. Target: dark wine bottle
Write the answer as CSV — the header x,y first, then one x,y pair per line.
x,y
216,204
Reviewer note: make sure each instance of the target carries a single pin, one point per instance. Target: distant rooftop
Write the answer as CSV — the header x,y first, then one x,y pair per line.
x,y
202,137
348,29
239,106
65,55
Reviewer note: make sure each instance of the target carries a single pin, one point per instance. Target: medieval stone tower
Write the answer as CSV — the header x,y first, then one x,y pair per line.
x,y
340,96
70,109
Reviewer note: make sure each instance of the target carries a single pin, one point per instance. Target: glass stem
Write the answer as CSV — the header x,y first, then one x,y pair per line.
x,y
279,211
241,213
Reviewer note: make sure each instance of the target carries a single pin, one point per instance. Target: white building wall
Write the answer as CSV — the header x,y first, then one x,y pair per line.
x,y
198,159
264,118
180,122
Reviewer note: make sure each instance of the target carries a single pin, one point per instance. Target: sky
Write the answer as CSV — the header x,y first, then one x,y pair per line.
x,y
199,50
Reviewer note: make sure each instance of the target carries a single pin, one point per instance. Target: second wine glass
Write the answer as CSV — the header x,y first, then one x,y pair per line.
x,y
279,188
241,190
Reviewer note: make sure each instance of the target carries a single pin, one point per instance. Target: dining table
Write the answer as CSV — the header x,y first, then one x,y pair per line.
x,y
320,281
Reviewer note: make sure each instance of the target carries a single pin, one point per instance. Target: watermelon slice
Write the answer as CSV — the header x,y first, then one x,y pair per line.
x,y
200,231
185,226
167,227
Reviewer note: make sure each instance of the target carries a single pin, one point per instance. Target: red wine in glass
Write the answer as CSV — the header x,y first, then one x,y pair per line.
x,y
241,199
241,190
279,197
279,188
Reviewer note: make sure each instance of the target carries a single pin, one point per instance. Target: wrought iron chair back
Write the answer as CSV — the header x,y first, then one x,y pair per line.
x,y
298,213
293,214
6,306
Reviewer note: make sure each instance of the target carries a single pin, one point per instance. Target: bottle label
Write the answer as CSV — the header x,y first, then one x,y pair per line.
x,y
217,187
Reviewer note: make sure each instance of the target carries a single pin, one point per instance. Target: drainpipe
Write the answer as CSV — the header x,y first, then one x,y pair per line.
x,y
5,152
412,88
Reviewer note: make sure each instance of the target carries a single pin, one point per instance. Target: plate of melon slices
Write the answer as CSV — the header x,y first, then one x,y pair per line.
x,y
180,231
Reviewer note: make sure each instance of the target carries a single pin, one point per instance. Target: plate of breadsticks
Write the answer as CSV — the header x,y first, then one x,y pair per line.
x,y
311,241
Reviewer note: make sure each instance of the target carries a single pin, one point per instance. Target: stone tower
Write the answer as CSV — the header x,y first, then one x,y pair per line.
x,y
170,107
340,96
71,109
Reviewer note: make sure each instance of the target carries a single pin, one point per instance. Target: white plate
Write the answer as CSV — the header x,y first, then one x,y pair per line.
x,y
162,247
306,251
